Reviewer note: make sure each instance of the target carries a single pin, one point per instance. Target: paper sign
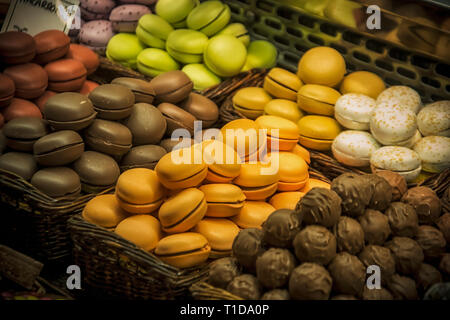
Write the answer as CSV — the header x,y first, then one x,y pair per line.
x,y
34,16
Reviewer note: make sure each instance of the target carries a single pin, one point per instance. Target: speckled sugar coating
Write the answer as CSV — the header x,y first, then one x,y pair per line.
x,y
403,95
402,160
96,34
434,119
96,9
434,151
354,148
125,17
353,111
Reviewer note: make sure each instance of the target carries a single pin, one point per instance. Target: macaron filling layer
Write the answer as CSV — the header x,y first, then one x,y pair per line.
x,y
190,177
62,148
224,9
73,122
282,84
141,204
186,216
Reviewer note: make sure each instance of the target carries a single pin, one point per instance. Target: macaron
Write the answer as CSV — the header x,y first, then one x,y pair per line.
x,y
186,46
283,108
153,30
21,133
286,200
50,45
282,84
85,55
96,35
143,91
260,54
223,199
400,95
202,108
65,75
20,163
434,152
317,99
57,182
354,148
125,17
182,168
30,80
302,152
183,250
112,101
218,52
353,111
220,234
250,101
171,144
104,211
97,171
237,30
182,211
153,62
145,156
58,148
143,230
434,119
109,137
209,17
402,160
69,111
124,48
292,170
253,214
393,124
96,10
223,162
257,180
175,11
20,108
146,123
138,191
321,65
42,100
172,86
363,82
318,132
16,47
7,89
315,183
201,76
282,134
177,118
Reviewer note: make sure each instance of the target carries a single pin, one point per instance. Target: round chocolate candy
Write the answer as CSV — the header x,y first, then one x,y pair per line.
x,y
444,225
348,273
349,235
112,101
22,133
426,203
431,240
310,281
274,267
146,156
444,265
355,193
20,163
223,271
276,294
381,257
407,253
376,294
403,288
343,297
58,148
320,206
108,137
403,219
245,286
57,182
375,226
397,182
315,244
381,193
281,227
247,246
426,276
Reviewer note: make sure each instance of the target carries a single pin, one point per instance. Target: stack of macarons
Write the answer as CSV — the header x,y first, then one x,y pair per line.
x,y
181,34
197,199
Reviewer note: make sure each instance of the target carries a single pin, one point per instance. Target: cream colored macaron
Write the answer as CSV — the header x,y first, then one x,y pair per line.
x,y
434,151
402,95
353,110
354,148
434,119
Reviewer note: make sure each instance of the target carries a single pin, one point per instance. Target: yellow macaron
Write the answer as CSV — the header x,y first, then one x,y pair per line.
x,y
364,82
258,180
317,99
224,200
143,230
282,84
318,132
282,134
286,200
293,171
104,211
253,214
223,162
250,101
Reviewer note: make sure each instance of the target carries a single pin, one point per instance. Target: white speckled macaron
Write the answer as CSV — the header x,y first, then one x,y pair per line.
x,y
354,148
411,142
393,124
434,119
434,151
404,161
403,95
352,110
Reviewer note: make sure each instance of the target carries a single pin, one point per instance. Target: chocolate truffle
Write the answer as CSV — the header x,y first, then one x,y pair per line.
x,y
310,281
355,193
247,246
348,273
445,200
245,286
375,226
274,267
427,276
381,191
444,225
320,206
20,163
431,240
276,294
403,219
222,271
315,244
438,291
426,203
397,182
281,227
408,255
349,235
376,294
403,288
379,256
344,297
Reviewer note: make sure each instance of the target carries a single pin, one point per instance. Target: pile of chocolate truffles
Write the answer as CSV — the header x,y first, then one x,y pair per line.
x,y
323,248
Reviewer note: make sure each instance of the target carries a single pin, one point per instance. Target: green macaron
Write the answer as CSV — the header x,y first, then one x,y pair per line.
x,y
260,54
153,30
186,46
209,17
124,48
201,76
225,55
239,31
154,61
175,11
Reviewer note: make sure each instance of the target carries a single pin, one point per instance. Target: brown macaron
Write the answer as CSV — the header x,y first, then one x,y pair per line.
x,y
16,47
57,182
177,118
19,108
201,108
109,137
112,101
65,75
21,163
30,80
22,133
172,86
50,45
58,148
145,156
143,90
7,89
85,55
